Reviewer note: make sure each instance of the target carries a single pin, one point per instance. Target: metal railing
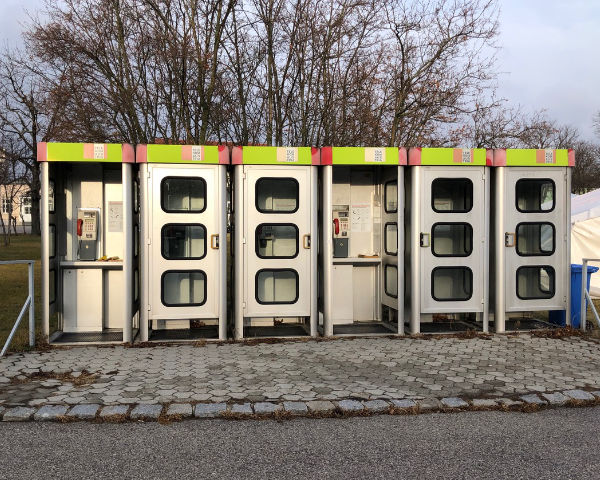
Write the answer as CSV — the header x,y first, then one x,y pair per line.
x,y
585,294
29,303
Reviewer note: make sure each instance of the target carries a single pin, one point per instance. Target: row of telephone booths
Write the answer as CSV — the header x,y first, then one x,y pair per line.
x,y
182,242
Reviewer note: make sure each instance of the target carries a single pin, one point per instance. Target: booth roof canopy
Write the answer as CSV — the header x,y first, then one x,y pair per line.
x,y
161,153
586,206
531,157
266,155
85,152
450,156
363,156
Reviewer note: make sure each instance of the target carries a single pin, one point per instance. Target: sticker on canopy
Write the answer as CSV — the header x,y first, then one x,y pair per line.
x,y
94,151
374,155
462,155
192,153
287,155
547,157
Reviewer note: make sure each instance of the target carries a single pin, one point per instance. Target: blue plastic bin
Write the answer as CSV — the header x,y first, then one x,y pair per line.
x,y
558,316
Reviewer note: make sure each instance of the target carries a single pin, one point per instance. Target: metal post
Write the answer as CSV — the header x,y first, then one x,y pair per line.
x,y
314,232
145,210
582,304
238,212
127,187
400,253
415,258
31,305
485,245
327,250
500,267
222,195
45,230
567,221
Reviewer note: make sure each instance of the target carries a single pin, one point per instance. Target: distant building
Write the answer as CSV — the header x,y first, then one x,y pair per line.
x,y
15,208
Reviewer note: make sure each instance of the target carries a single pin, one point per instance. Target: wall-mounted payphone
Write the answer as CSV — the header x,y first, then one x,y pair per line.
x,y
87,232
341,231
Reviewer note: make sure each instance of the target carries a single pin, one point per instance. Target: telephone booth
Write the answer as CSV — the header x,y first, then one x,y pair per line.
x,y
87,215
362,249
532,235
275,241
449,192
184,236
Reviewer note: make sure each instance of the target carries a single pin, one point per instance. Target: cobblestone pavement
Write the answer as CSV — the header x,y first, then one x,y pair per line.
x,y
399,370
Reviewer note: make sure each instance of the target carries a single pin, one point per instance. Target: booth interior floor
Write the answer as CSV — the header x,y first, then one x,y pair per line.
x,y
284,330
361,329
195,333
90,337
517,324
448,326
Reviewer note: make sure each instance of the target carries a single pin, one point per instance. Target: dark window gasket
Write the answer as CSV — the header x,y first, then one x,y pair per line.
x,y
385,249
162,289
182,225
184,212
451,299
260,225
276,270
450,255
552,290
535,254
385,285
470,182
535,180
385,202
256,187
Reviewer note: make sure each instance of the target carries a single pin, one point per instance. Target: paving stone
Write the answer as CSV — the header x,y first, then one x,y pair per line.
x,y
146,412
84,411
404,403
579,395
320,406
555,398
242,408
350,406
429,404
376,405
50,412
209,410
180,409
18,414
507,402
295,408
266,408
533,399
114,410
484,402
2,410
596,394
454,402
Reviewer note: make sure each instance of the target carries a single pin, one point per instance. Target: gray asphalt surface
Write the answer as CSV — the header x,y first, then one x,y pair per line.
x,y
473,445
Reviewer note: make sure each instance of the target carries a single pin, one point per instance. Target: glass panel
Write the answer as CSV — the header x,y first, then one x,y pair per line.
x,y
277,195
535,282
52,240
452,283
136,240
277,286
535,238
535,195
184,288
180,241
391,197
391,280
277,241
51,196
136,196
452,195
452,239
183,194
52,286
391,238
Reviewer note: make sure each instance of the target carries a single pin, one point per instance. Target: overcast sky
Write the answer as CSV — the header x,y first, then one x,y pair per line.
x,y
550,56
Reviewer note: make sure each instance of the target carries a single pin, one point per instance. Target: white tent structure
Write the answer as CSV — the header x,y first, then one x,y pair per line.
x,y
585,232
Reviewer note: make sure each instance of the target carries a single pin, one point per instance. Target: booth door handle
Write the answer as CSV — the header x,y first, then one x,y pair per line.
x,y
214,241
425,240
510,239
306,241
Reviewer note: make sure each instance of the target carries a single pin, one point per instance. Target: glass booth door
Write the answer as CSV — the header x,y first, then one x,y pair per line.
x,y
183,252
278,240
452,229
535,239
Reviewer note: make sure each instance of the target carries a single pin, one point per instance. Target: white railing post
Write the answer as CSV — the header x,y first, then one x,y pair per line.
x,y
31,305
